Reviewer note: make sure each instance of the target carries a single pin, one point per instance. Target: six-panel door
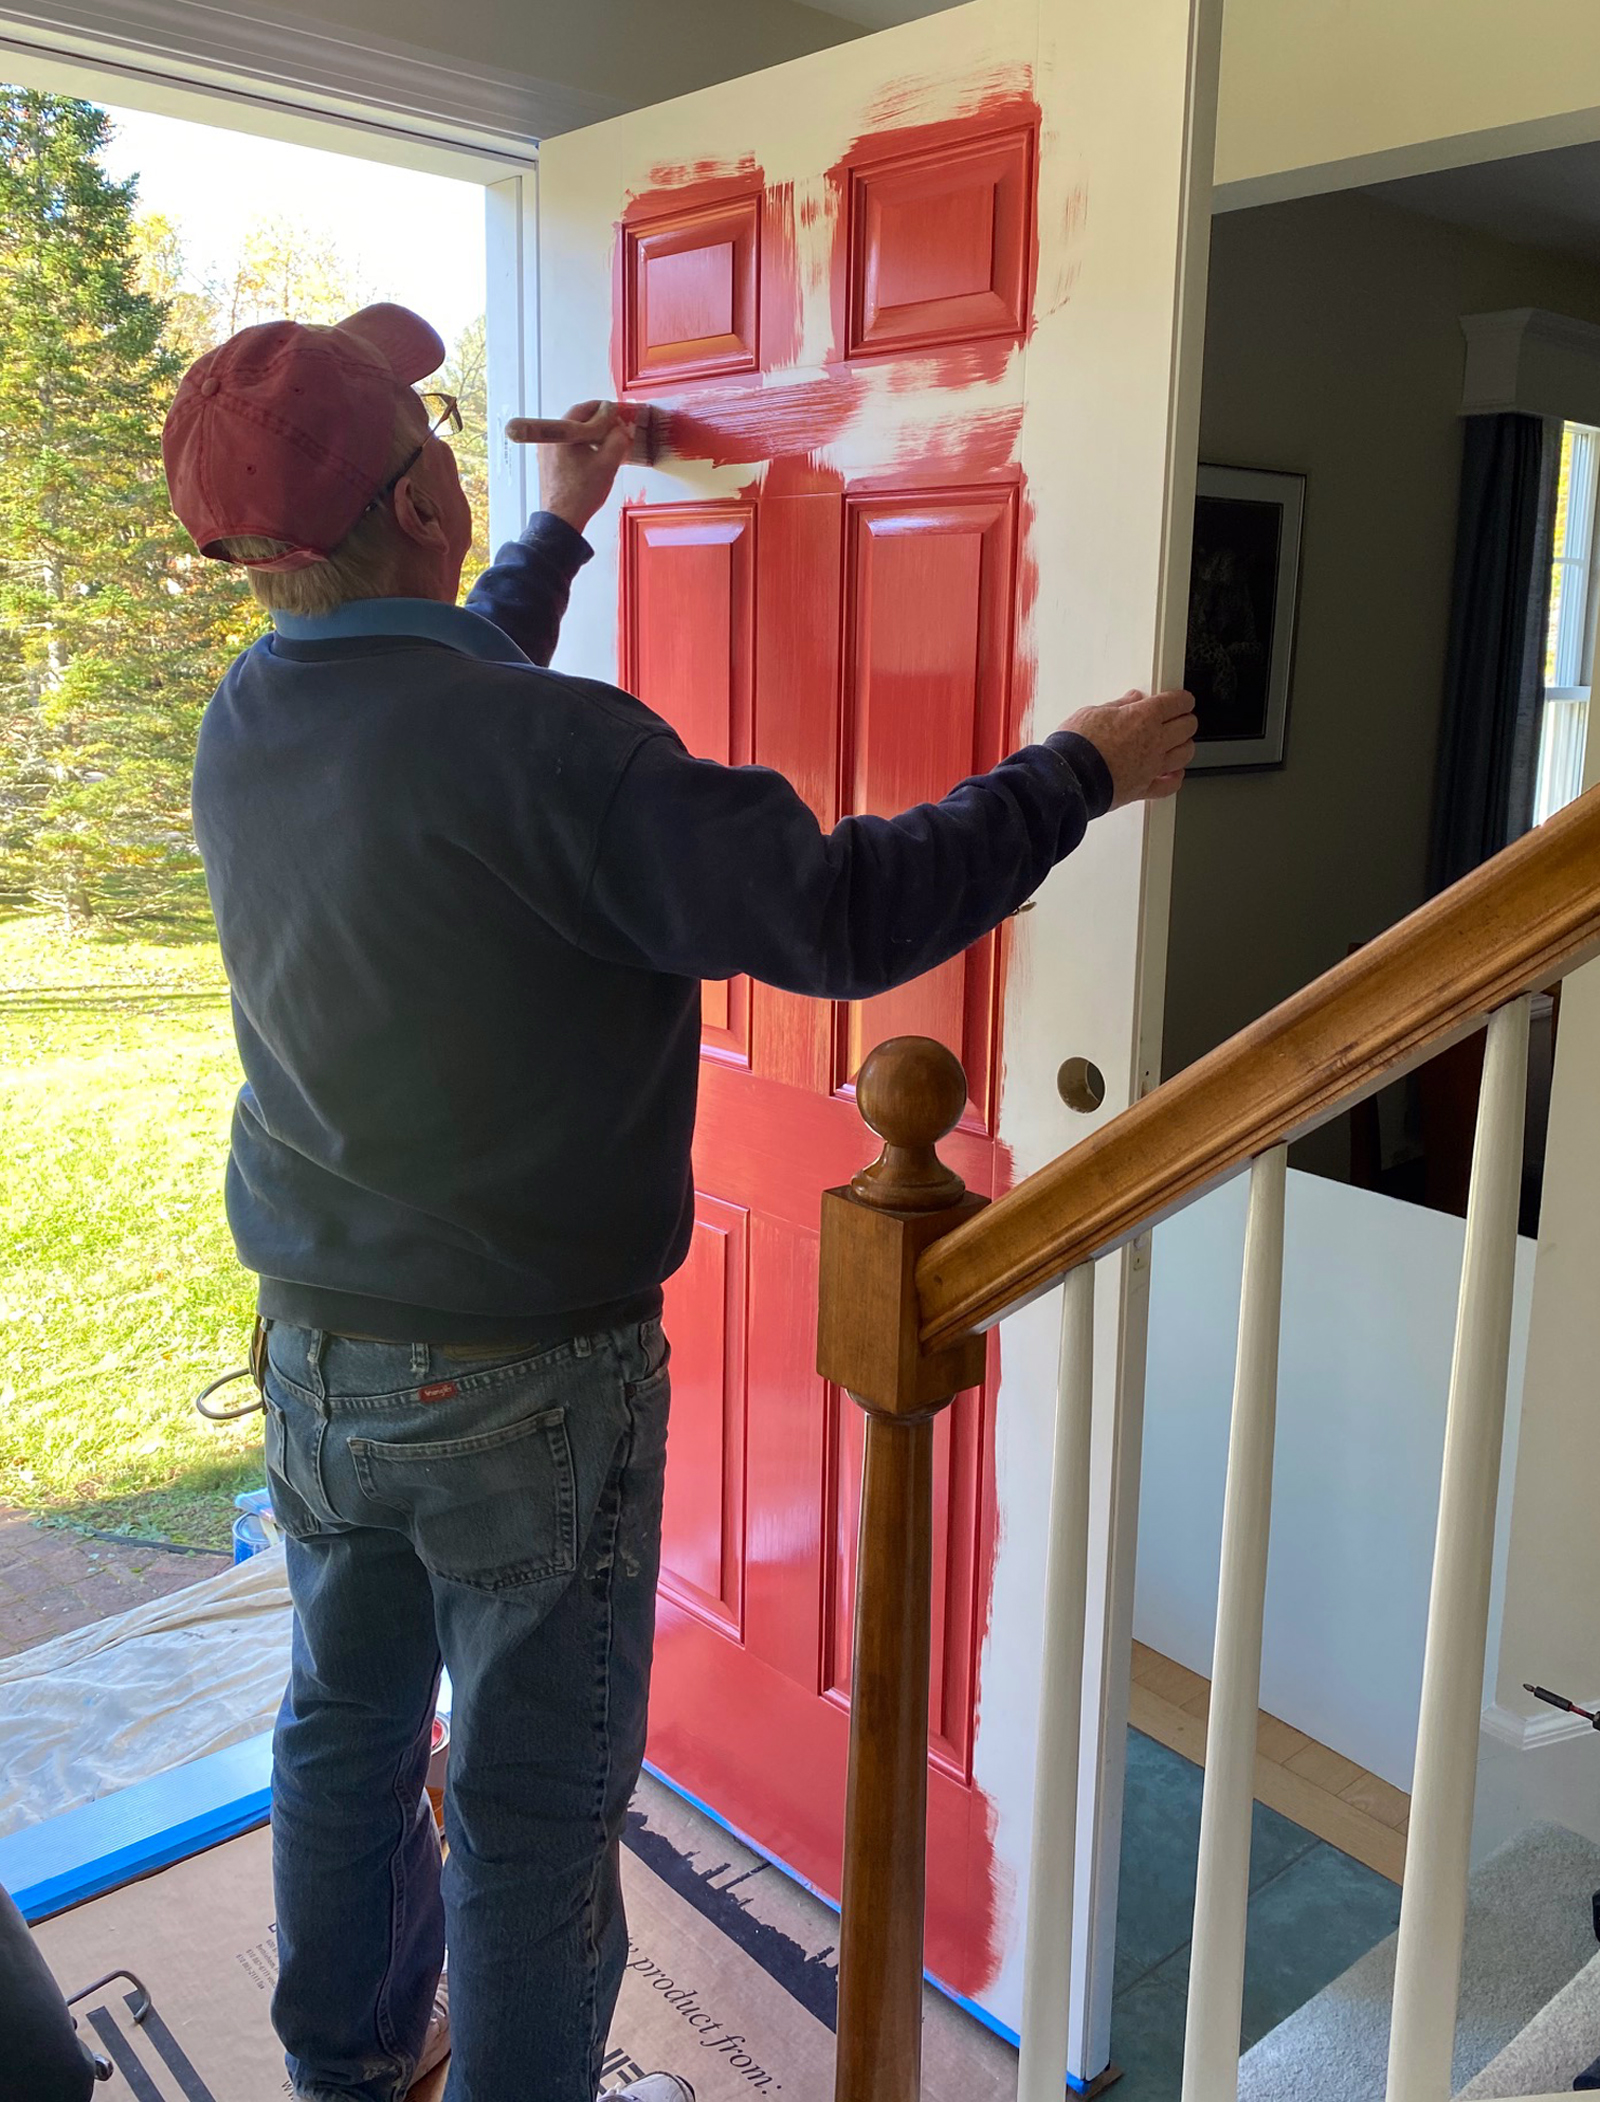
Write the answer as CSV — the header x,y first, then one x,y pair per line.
x,y
855,632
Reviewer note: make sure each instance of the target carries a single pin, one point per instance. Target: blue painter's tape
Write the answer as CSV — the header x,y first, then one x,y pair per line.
x,y
85,1852
979,2014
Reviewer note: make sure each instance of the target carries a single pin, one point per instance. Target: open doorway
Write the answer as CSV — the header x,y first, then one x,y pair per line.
x,y
131,242
1359,347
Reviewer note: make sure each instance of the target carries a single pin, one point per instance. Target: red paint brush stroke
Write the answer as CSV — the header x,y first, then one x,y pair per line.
x,y
683,186
1005,88
730,429
780,280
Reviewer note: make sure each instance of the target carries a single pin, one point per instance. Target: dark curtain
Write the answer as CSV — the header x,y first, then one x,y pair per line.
x,y
1494,673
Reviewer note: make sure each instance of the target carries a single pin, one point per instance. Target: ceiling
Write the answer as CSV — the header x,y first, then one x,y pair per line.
x,y
1540,200
881,14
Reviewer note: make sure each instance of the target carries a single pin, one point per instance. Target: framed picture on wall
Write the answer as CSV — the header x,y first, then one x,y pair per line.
x,y
1241,613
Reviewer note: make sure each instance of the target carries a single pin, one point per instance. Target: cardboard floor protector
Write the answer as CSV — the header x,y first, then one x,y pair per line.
x,y
695,2004
694,2001
200,1936
961,2060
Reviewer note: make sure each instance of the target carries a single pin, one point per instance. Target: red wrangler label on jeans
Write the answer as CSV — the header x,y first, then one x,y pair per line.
x,y
442,1390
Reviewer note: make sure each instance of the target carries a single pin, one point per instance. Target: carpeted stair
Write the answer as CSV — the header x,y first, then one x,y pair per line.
x,y
1529,1934
1562,2041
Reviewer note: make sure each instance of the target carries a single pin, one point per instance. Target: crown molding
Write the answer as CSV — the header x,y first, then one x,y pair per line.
x,y
282,55
1532,362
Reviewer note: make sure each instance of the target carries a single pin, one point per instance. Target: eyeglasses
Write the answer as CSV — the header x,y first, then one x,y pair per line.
x,y
444,413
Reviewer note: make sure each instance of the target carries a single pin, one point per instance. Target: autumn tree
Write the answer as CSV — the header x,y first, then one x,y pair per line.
x,y
466,375
159,270
286,271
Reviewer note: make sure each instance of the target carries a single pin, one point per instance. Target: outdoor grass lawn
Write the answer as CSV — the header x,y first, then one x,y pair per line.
x,y
120,1294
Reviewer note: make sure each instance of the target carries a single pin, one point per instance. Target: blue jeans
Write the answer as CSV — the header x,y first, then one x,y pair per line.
x,y
504,1515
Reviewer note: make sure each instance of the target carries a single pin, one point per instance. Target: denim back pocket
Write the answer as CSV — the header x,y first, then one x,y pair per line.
x,y
291,1459
494,1511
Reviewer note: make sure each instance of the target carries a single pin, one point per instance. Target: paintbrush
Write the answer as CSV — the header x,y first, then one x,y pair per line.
x,y
736,429
649,431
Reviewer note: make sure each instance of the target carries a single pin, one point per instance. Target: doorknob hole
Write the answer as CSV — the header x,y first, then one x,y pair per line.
x,y
1081,1084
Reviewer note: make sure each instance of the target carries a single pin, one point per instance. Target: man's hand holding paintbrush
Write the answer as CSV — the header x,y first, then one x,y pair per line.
x,y
1145,739
579,453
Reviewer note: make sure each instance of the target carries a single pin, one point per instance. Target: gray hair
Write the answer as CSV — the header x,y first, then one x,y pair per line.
x,y
359,567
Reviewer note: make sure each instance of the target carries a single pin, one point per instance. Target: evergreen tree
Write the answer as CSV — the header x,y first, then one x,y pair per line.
x,y
112,631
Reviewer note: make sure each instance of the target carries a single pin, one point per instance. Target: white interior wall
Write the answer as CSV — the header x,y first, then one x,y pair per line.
x,y
1325,94
1369,1308
1537,1763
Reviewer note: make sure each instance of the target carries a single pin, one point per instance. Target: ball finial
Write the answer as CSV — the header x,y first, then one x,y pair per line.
x,y
911,1091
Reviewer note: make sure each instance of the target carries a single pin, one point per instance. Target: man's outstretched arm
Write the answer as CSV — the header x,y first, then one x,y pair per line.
x,y
709,871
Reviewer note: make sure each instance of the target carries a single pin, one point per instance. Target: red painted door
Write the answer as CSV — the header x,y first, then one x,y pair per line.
x,y
830,276
854,631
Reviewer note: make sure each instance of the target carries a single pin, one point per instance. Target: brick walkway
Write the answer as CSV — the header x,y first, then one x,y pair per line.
x,y
52,1582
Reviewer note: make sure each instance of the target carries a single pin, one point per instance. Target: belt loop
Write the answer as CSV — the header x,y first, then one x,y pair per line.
x,y
582,1346
421,1361
314,1353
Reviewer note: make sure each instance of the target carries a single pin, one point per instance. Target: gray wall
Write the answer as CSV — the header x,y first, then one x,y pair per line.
x,y
1333,348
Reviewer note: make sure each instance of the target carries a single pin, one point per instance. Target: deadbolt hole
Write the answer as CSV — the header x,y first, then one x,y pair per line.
x,y
1081,1085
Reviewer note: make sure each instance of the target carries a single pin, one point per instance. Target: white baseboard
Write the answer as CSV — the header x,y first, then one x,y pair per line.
x,y
1535,1733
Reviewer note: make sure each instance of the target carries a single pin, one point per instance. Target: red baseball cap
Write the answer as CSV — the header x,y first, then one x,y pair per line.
x,y
285,431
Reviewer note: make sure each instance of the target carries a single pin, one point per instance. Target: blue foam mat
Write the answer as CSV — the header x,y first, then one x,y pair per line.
x,y
85,1852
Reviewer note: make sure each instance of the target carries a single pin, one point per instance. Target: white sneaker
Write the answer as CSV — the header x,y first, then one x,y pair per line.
x,y
654,2087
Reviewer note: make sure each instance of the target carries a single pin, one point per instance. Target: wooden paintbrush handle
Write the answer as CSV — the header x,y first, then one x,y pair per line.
x,y
567,430
544,430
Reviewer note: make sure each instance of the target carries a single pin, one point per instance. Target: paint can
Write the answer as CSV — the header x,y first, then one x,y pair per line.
x,y
437,1760
249,1537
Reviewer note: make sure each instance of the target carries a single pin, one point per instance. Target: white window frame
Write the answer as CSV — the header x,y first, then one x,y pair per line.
x,y
1564,716
378,102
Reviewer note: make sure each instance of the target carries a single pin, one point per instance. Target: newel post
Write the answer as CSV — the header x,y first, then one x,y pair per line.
x,y
911,1092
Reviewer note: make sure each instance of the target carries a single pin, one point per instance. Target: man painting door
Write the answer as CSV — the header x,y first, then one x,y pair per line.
x,y
910,309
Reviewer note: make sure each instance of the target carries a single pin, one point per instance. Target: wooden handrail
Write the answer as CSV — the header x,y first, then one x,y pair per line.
x,y
1514,925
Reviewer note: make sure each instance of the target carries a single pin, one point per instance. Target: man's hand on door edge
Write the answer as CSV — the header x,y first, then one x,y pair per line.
x,y
1146,741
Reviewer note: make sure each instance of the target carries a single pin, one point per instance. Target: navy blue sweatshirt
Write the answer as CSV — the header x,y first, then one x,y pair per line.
x,y
465,905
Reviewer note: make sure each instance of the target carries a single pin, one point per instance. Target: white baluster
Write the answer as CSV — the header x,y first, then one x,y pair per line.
x,y
1433,1907
1222,1885
1042,2072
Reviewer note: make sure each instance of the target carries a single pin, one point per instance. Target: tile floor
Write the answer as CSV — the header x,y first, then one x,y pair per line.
x,y
1318,1788
1313,1911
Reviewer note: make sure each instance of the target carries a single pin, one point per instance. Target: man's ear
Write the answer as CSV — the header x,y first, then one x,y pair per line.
x,y
417,513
